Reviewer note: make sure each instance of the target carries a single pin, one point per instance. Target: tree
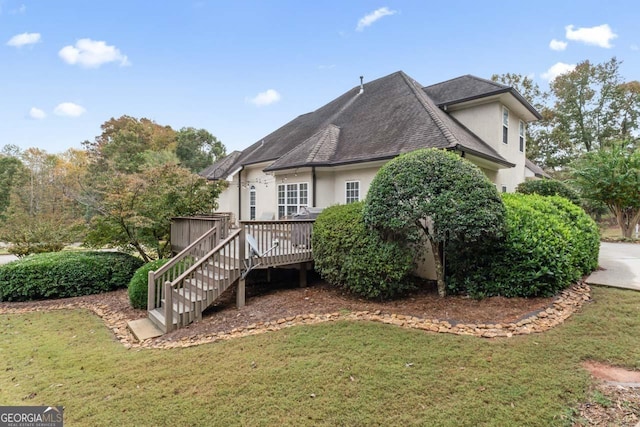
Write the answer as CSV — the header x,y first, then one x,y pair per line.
x,y
11,170
433,196
134,185
125,142
134,211
41,217
593,106
197,148
611,175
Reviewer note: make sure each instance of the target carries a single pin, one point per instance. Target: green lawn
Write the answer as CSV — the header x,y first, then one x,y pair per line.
x,y
343,373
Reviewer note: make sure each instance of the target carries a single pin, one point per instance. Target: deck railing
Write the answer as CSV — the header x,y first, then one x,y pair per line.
x,y
185,230
293,237
199,274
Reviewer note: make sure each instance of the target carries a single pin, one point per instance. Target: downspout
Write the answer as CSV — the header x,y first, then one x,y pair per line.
x,y
313,183
240,195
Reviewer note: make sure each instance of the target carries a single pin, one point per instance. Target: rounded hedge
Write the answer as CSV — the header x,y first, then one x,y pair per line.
x,y
65,274
349,255
138,286
549,187
550,244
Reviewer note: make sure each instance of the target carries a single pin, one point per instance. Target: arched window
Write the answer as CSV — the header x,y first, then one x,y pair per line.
x,y
252,202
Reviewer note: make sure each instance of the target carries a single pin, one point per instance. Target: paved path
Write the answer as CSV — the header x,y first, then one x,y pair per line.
x,y
7,258
621,263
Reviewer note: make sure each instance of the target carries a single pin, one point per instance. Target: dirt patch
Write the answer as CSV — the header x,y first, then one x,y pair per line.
x,y
613,374
614,400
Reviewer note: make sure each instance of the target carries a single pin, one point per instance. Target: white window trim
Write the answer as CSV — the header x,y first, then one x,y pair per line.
x,y
286,205
505,125
346,191
522,134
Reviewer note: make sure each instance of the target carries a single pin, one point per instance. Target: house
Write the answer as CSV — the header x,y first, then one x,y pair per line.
x,y
331,155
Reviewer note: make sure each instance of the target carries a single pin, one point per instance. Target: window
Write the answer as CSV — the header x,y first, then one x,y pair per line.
x,y
291,197
504,188
352,191
521,134
505,125
252,202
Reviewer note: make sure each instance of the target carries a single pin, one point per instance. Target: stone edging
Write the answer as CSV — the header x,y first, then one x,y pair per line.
x,y
568,302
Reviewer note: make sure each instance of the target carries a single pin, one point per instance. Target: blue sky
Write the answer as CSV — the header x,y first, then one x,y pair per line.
x,y
241,69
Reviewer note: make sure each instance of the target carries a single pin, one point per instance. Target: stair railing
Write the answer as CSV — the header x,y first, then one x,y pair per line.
x,y
178,264
219,269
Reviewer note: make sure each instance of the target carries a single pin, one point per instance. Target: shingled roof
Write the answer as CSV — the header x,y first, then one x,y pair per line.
x,y
537,170
467,88
221,168
391,116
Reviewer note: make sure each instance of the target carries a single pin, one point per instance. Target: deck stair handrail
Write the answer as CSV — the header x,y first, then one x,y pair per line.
x,y
189,294
178,264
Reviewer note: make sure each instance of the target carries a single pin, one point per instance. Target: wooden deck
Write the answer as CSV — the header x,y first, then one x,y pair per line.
x,y
220,258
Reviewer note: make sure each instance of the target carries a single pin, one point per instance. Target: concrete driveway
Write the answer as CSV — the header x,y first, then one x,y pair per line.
x,y
621,264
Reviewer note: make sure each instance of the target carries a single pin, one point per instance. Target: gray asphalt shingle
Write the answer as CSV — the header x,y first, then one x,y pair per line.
x,y
393,115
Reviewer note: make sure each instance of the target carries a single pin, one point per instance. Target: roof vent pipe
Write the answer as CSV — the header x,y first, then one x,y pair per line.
x,y
361,84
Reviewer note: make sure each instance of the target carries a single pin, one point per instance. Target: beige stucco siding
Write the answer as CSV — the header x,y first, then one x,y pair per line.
x,y
486,122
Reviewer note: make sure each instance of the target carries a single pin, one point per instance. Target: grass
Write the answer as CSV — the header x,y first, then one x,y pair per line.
x,y
343,373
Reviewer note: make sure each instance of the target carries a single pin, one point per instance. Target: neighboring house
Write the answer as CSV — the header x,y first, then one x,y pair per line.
x,y
331,155
533,171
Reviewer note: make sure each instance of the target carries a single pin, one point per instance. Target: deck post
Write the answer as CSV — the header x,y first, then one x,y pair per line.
x,y
151,291
240,294
303,274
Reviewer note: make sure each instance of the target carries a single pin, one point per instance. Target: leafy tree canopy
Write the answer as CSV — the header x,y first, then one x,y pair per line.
x,y
611,175
197,148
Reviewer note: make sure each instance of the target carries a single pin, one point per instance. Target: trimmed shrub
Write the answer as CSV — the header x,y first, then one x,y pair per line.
x,y
550,243
585,235
433,196
549,187
349,255
65,274
138,286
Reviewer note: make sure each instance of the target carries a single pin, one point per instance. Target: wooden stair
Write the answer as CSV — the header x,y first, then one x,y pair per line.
x,y
190,282
197,293
194,279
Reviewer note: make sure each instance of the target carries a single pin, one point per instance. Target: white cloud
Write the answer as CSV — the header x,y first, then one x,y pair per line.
x,y
265,98
557,69
557,45
600,35
36,113
24,39
372,17
92,54
634,47
69,109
